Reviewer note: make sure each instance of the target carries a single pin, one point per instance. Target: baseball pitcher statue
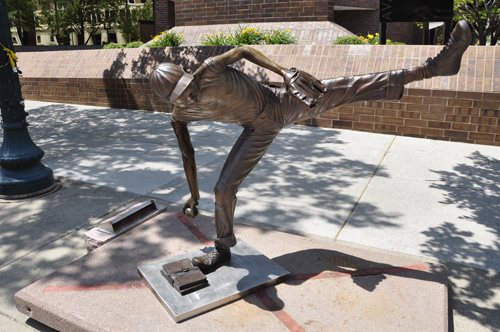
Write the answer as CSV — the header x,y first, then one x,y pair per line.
x,y
217,92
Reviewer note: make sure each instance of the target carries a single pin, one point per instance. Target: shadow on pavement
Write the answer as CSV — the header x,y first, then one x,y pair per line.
x,y
476,190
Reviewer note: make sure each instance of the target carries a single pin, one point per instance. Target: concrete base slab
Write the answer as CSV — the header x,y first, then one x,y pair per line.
x,y
333,285
247,271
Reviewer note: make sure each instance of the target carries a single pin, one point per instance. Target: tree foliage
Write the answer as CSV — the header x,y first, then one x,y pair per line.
x,y
483,17
22,16
80,16
129,26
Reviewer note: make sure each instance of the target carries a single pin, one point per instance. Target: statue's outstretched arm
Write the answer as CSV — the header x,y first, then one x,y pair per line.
x,y
189,162
252,55
301,85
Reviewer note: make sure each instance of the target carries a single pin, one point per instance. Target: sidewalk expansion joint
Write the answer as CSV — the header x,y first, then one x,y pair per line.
x,y
366,187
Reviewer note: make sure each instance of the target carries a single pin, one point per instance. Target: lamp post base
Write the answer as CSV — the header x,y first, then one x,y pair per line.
x,y
25,182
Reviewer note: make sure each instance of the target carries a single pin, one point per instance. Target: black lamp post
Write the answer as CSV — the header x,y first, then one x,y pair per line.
x,y
21,172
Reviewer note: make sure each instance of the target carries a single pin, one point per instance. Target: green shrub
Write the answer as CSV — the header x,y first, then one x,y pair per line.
x,y
135,44
244,35
167,38
215,39
279,36
112,45
349,40
374,40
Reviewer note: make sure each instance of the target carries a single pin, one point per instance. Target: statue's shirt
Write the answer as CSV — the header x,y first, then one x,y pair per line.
x,y
225,95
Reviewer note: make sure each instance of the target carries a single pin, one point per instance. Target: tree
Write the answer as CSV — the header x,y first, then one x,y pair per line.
x,y
80,16
22,15
130,23
483,17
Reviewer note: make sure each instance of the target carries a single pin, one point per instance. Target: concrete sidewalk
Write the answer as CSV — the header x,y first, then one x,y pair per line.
x,y
430,200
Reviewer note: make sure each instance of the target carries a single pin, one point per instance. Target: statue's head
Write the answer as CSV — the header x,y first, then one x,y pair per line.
x,y
169,81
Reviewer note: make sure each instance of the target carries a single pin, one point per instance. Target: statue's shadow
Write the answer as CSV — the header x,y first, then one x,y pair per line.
x,y
308,264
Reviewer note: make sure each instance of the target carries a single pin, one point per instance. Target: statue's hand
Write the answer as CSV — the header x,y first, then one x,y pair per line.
x,y
304,87
189,209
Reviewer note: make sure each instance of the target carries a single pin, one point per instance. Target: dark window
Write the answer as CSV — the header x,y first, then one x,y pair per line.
x,y
98,39
38,39
112,37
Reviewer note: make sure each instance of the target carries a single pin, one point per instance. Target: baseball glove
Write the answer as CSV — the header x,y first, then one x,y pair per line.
x,y
304,87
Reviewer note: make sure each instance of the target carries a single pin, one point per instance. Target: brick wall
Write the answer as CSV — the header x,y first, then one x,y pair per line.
x,y
160,15
199,12
146,30
471,117
107,92
464,107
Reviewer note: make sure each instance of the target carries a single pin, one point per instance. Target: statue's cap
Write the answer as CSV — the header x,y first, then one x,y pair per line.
x,y
168,81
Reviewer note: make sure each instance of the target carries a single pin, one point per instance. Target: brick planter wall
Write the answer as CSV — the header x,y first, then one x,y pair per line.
x,y
470,117
462,108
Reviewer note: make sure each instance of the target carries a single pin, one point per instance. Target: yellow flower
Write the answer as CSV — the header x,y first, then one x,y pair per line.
x,y
250,29
163,33
244,31
376,43
370,36
182,35
388,40
219,33
376,34
288,31
256,32
228,36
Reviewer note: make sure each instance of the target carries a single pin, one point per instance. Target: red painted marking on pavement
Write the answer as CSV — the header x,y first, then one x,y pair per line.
x,y
278,312
369,272
86,288
194,230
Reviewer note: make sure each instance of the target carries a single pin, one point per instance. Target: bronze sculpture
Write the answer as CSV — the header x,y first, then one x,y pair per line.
x,y
216,92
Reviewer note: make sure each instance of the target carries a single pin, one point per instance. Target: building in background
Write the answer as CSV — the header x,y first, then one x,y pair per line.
x,y
357,16
44,36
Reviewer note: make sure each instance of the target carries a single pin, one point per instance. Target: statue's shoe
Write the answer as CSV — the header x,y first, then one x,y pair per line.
x,y
213,259
447,62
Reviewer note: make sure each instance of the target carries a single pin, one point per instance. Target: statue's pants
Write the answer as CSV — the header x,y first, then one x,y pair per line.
x,y
279,112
